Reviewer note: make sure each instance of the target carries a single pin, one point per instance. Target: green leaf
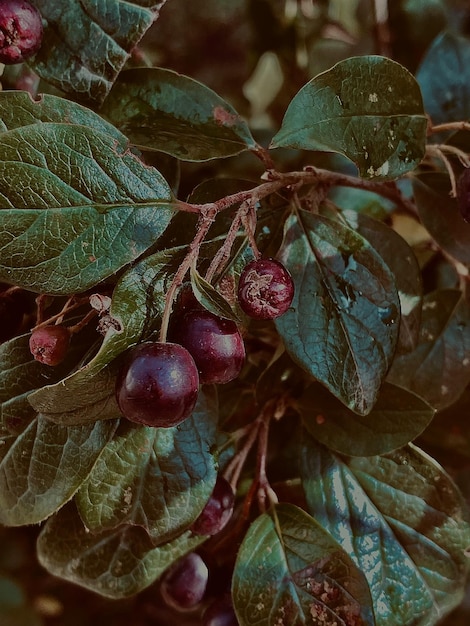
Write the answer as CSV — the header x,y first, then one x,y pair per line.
x,y
98,204
438,369
161,110
397,418
17,109
86,45
367,108
400,258
444,78
116,563
157,478
440,215
342,326
210,298
289,570
45,466
402,521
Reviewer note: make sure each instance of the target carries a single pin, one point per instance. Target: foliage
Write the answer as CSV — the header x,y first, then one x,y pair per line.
x,y
136,171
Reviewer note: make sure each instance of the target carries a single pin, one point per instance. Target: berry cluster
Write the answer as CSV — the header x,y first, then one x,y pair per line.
x,y
158,383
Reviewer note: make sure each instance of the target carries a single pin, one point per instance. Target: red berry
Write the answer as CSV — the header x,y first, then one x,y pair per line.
x,y
215,344
20,31
217,511
49,344
157,384
265,289
184,584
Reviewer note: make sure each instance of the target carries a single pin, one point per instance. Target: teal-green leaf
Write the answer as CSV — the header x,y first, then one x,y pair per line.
x,y
438,369
116,563
210,298
86,44
157,478
397,418
77,206
403,522
289,570
45,466
161,110
343,323
367,108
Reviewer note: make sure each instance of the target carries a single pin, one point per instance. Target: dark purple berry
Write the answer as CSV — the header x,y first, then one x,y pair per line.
x,y
463,194
20,31
184,584
265,289
218,510
157,385
215,344
220,613
49,344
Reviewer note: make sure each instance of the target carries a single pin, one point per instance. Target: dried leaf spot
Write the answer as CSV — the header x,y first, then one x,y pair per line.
x,y
223,117
373,97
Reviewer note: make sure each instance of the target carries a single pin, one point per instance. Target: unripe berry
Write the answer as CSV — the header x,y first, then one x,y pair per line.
x,y
265,289
157,385
20,31
49,344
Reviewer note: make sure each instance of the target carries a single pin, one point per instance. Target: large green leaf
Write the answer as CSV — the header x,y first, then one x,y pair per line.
x,y
162,110
86,43
438,369
402,520
116,563
78,205
397,418
444,78
368,108
157,478
343,324
45,466
289,570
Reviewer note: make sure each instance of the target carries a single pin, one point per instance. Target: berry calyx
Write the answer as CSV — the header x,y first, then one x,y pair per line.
x,y
218,510
157,385
49,344
265,289
215,343
184,584
20,31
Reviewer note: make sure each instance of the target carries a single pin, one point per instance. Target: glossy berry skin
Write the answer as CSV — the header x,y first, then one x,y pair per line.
x,y
184,584
220,613
20,31
217,511
265,289
49,344
215,344
157,385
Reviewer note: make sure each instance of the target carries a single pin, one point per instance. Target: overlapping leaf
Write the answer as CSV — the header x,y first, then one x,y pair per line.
x,y
402,520
343,324
45,466
162,110
397,418
157,478
289,570
86,43
116,563
368,108
78,206
438,370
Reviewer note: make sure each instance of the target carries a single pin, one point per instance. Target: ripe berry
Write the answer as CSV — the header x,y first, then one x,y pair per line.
x,y
220,613
463,194
217,511
184,584
20,31
49,344
157,385
265,289
215,344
